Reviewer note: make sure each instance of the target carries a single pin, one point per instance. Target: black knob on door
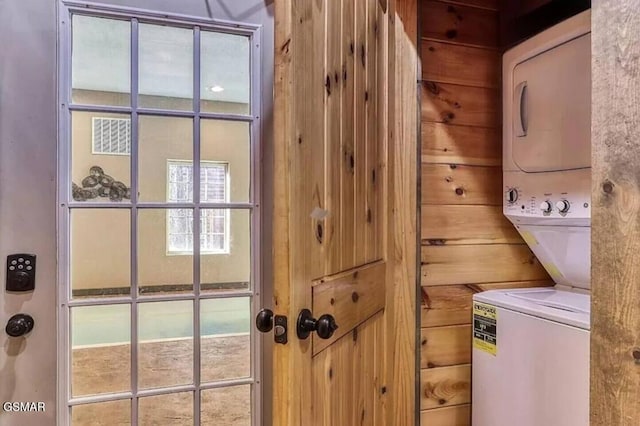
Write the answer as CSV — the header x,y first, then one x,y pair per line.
x,y
325,326
264,320
19,325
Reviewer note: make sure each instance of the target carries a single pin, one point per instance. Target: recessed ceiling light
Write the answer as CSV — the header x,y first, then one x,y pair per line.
x,y
216,89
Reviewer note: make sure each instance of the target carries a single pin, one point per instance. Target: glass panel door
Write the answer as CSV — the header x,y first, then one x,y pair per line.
x,y
159,220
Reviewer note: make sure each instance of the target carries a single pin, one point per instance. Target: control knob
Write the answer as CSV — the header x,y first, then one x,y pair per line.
x,y
512,195
563,206
545,206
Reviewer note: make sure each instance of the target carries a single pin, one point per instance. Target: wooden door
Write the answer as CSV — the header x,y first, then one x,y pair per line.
x,y
345,213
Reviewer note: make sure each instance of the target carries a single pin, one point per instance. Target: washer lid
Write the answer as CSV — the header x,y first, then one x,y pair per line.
x,y
548,303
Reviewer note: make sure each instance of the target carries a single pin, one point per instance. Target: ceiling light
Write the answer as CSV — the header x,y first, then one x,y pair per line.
x,y
216,89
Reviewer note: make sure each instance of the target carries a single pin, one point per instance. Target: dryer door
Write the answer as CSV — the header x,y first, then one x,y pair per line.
x,y
552,109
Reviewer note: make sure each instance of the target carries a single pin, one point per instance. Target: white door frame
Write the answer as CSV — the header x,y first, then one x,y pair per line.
x,y
65,201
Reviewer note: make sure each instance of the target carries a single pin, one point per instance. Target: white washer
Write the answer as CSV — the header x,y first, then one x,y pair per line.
x,y
539,374
531,346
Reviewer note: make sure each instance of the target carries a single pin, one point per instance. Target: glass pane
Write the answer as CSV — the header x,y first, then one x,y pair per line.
x,y
100,349
224,73
227,143
165,260
165,333
174,409
165,159
226,406
101,61
115,413
225,244
225,338
100,157
100,252
166,67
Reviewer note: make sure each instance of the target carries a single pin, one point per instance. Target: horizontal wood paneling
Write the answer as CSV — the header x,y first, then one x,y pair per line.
x,y
460,105
443,265
485,4
453,184
446,225
458,415
450,63
444,346
446,305
445,143
459,23
445,386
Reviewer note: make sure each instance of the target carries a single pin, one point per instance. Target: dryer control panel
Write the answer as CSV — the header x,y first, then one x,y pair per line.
x,y
563,197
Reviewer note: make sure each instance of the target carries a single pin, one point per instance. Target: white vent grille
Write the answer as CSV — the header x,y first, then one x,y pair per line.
x,y
111,136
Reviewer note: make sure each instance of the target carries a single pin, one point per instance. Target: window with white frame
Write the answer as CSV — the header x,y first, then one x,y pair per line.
x,y
111,136
214,223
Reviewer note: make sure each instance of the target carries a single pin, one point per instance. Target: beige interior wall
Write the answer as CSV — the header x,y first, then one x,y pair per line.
x,y
101,238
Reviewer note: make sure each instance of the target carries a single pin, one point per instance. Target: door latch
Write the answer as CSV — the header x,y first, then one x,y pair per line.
x,y
266,321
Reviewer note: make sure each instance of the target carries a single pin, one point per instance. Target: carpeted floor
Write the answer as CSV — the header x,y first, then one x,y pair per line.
x,y
107,369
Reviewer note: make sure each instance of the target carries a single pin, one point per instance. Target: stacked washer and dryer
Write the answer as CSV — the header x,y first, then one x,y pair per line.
x,y
531,346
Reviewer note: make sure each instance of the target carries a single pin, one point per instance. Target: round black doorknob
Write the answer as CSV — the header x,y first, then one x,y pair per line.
x,y
326,326
264,320
19,325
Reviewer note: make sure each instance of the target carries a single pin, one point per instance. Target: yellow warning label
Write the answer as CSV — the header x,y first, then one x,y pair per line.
x,y
552,270
529,238
485,327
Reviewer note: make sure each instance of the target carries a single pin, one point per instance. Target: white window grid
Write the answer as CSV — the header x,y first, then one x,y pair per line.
x,y
111,136
214,223
65,302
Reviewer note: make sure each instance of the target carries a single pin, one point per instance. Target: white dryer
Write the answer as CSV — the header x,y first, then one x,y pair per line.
x,y
531,346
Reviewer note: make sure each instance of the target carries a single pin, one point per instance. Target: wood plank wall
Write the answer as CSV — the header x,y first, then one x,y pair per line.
x,y
467,244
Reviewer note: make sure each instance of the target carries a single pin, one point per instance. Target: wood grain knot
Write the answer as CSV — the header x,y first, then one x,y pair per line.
x,y
335,77
332,301
366,96
383,390
331,373
363,55
352,48
355,334
432,49
319,232
436,242
453,166
373,175
459,191
355,297
432,87
636,355
369,216
447,116
327,85
607,187
451,34
299,140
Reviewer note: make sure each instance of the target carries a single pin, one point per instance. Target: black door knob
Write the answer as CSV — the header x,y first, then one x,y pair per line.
x,y
325,326
19,325
264,320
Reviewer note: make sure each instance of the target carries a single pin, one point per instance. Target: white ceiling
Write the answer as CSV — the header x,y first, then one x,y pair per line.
x,y
101,60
